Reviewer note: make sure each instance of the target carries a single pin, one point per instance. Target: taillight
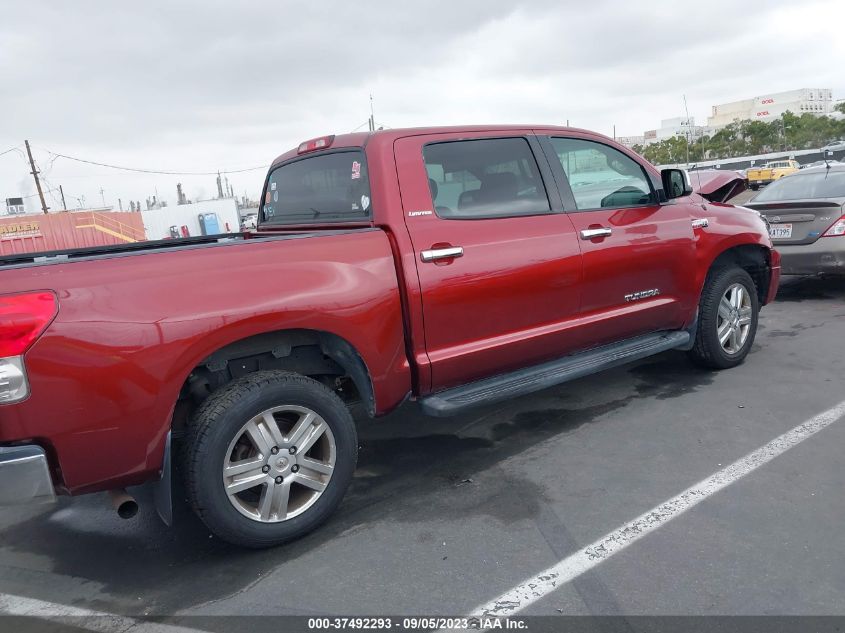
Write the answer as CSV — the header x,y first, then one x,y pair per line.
x,y
23,318
838,228
315,143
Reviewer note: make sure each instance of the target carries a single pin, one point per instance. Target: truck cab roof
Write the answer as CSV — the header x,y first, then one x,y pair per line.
x,y
362,139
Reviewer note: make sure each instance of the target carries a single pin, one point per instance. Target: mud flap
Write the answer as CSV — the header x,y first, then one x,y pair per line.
x,y
162,489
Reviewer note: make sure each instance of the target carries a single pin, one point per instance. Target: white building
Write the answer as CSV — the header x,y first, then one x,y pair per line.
x,y
678,126
769,107
630,141
218,216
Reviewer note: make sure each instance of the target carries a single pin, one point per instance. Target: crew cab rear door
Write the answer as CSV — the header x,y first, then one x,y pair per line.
x,y
497,260
638,254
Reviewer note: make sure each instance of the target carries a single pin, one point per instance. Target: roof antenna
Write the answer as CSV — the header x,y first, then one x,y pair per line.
x,y
372,115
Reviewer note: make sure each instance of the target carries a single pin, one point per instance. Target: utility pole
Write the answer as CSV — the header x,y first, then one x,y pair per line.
x,y
689,129
64,204
103,196
34,173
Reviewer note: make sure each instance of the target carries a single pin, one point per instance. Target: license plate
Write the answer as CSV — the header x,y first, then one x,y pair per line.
x,y
780,231
758,182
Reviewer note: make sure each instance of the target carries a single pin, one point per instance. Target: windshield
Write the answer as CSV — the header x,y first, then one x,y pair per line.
x,y
819,184
324,188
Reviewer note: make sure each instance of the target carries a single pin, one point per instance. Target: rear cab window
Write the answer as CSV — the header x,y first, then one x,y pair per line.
x,y
332,187
807,185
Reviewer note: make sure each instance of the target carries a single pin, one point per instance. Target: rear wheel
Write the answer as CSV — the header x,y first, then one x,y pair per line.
x,y
269,458
755,187
727,319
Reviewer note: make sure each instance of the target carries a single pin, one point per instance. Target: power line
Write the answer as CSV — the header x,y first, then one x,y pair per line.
x,y
154,171
11,149
33,195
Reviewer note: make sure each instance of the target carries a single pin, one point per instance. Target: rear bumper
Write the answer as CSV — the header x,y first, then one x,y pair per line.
x,y
24,476
824,256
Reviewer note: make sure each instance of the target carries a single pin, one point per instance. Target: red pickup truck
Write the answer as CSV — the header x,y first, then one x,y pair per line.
x,y
450,266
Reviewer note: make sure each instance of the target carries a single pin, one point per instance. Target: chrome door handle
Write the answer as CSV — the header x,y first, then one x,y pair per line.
x,y
588,234
442,253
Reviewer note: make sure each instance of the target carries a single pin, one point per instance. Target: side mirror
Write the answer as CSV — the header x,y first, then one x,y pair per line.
x,y
676,183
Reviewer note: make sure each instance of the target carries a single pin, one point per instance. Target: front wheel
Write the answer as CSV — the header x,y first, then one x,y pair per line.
x,y
727,319
269,458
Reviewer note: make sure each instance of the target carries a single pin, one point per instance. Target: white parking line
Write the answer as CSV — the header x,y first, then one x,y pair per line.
x,y
101,622
533,589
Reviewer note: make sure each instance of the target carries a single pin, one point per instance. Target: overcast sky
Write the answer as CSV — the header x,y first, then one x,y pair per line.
x,y
201,86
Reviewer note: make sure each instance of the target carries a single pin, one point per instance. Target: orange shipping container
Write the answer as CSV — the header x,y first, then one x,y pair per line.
x,y
61,231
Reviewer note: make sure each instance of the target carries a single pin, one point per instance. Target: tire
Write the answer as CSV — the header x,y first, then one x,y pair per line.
x,y
231,430
708,350
755,187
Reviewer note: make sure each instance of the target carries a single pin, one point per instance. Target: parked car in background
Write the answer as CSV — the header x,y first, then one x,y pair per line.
x,y
820,163
806,215
835,145
759,176
455,267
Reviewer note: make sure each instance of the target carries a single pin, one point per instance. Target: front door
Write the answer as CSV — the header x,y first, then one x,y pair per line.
x,y
638,254
498,262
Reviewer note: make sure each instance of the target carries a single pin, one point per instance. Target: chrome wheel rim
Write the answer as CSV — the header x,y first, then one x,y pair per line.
x,y
733,324
279,463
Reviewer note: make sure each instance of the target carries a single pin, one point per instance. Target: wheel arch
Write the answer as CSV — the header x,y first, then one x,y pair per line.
x,y
755,259
307,351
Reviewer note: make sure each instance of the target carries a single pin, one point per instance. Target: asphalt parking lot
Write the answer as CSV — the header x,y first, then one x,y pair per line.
x,y
445,515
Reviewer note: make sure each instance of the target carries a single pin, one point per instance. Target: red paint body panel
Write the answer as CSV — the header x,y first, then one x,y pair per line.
x,y
507,301
107,372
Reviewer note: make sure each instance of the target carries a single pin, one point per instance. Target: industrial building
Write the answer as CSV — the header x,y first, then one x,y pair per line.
x,y
677,126
767,108
770,107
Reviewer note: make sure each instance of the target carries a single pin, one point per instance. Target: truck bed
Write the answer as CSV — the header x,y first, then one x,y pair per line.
x,y
110,250
134,321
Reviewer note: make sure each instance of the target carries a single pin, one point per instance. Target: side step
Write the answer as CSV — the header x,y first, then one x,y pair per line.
x,y
530,379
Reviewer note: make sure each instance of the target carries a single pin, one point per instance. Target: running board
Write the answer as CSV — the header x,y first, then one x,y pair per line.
x,y
530,379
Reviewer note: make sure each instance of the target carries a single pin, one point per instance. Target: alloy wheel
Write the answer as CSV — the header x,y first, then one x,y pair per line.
x,y
733,324
279,463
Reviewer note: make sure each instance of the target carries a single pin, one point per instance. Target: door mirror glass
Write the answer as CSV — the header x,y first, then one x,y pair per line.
x,y
676,183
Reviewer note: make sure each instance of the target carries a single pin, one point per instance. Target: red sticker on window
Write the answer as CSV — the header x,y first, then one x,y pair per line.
x,y
356,170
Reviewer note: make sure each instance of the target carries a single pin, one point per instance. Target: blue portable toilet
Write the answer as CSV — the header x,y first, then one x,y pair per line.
x,y
209,224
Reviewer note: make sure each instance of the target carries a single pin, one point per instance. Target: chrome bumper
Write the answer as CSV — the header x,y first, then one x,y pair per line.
x,y
24,476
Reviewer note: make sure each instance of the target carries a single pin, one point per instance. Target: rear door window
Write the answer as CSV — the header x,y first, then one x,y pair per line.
x,y
484,178
330,187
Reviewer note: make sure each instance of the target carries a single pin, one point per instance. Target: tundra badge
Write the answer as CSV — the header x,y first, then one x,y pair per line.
x,y
642,294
